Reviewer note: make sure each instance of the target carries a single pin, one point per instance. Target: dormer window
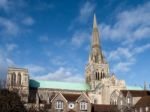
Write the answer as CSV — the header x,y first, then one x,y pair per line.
x,y
83,105
146,109
59,104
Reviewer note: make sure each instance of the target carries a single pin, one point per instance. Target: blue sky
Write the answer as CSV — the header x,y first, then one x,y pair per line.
x,y
52,38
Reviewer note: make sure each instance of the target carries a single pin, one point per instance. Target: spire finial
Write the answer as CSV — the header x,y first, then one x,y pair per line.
x,y
94,22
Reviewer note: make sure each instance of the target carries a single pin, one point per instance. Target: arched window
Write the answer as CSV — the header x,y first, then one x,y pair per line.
x,y
98,75
13,79
19,78
102,74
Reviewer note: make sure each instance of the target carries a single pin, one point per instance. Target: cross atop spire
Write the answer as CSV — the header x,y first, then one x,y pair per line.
x,y
94,22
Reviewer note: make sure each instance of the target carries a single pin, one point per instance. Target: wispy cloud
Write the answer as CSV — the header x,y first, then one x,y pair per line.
x,y
131,25
59,61
43,38
9,27
79,38
11,46
86,11
124,58
61,74
9,5
28,21
34,69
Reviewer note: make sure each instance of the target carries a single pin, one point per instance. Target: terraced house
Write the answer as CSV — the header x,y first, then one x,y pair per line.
x,y
100,87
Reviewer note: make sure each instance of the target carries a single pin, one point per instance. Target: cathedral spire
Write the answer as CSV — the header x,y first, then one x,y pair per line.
x,y
94,22
96,54
95,36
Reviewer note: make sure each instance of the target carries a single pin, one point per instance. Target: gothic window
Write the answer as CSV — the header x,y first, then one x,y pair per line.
x,y
114,97
102,74
96,75
59,104
19,78
83,106
13,81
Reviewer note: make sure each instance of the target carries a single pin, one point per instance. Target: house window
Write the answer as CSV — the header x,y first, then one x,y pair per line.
x,y
83,105
146,109
128,100
59,104
141,110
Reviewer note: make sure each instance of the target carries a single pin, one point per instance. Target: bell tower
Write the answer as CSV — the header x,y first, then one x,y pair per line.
x,y
18,81
97,67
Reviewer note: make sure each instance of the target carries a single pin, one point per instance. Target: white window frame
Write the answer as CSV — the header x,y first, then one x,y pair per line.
x,y
59,104
146,109
141,109
83,105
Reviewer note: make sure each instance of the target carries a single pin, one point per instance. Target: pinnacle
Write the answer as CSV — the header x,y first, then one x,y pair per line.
x,y
94,22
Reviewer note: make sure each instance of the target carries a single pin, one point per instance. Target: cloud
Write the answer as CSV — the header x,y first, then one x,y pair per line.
x,y
130,25
10,62
11,47
35,69
42,5
60,43
9,27
124,58
79,38
61,74
28,21
43,38
58,60
4,4
86,11
4,63
9,5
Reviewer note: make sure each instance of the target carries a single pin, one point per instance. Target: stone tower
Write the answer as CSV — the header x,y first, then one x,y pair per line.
x,y
18,80
97,67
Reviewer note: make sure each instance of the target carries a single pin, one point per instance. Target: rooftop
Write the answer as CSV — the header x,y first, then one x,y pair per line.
x,y
59,85
134,88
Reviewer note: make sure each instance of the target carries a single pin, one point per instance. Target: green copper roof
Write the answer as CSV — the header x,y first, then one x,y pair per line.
x,y
134,88
59,85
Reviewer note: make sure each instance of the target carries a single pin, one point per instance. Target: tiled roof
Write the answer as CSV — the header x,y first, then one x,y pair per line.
x,y
136,93
103,108
59,85
71,97
144,101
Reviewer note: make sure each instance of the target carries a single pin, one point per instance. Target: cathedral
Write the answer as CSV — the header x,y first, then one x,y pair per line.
x,y
100,87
